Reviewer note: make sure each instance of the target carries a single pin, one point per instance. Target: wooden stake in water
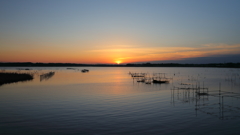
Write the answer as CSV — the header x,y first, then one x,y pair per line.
x,y
203,87
222,108
219,88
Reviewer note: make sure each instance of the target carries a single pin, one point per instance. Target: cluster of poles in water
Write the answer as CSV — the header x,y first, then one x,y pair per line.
x,y
218,103
150,78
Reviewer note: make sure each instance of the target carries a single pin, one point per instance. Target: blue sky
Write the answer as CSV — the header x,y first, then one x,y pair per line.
x,y
65,26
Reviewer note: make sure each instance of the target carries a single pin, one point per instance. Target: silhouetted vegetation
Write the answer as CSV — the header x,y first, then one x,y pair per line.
x,y
29,64
229,65
46,76
14,77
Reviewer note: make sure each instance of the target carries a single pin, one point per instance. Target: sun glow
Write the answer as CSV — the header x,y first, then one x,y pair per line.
x,y
118,61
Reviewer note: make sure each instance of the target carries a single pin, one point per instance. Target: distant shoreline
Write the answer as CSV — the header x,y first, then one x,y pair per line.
x,y
30,64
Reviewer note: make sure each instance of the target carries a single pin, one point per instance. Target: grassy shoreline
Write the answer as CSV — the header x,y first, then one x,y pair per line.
x,y
6,78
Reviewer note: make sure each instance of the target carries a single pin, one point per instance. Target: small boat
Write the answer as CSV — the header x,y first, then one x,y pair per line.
x,y
85,70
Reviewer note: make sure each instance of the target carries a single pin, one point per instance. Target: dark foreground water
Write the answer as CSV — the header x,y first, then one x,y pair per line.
x,y
107,101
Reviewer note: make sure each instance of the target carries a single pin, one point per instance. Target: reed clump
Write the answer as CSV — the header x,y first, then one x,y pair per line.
x,y
6,78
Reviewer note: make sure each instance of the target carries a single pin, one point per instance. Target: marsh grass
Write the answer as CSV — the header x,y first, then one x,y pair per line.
x,y
6,78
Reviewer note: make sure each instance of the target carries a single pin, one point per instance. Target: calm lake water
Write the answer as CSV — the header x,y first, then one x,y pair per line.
x,y
108,101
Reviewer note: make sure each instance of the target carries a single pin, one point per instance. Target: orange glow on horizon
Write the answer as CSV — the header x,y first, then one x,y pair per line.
x,y
120,55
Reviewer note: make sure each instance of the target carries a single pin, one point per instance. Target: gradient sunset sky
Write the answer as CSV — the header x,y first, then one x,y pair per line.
x,y
107,31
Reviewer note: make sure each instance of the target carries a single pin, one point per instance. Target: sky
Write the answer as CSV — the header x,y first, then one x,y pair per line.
x,y
117,31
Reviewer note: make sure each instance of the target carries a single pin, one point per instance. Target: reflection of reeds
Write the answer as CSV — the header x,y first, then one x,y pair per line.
x,y
14,77
46,76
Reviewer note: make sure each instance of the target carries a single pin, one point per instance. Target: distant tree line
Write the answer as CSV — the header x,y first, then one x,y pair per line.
x,y
232,65
30,64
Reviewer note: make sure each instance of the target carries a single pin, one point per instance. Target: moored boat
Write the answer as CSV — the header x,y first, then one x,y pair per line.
x,y
85,70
